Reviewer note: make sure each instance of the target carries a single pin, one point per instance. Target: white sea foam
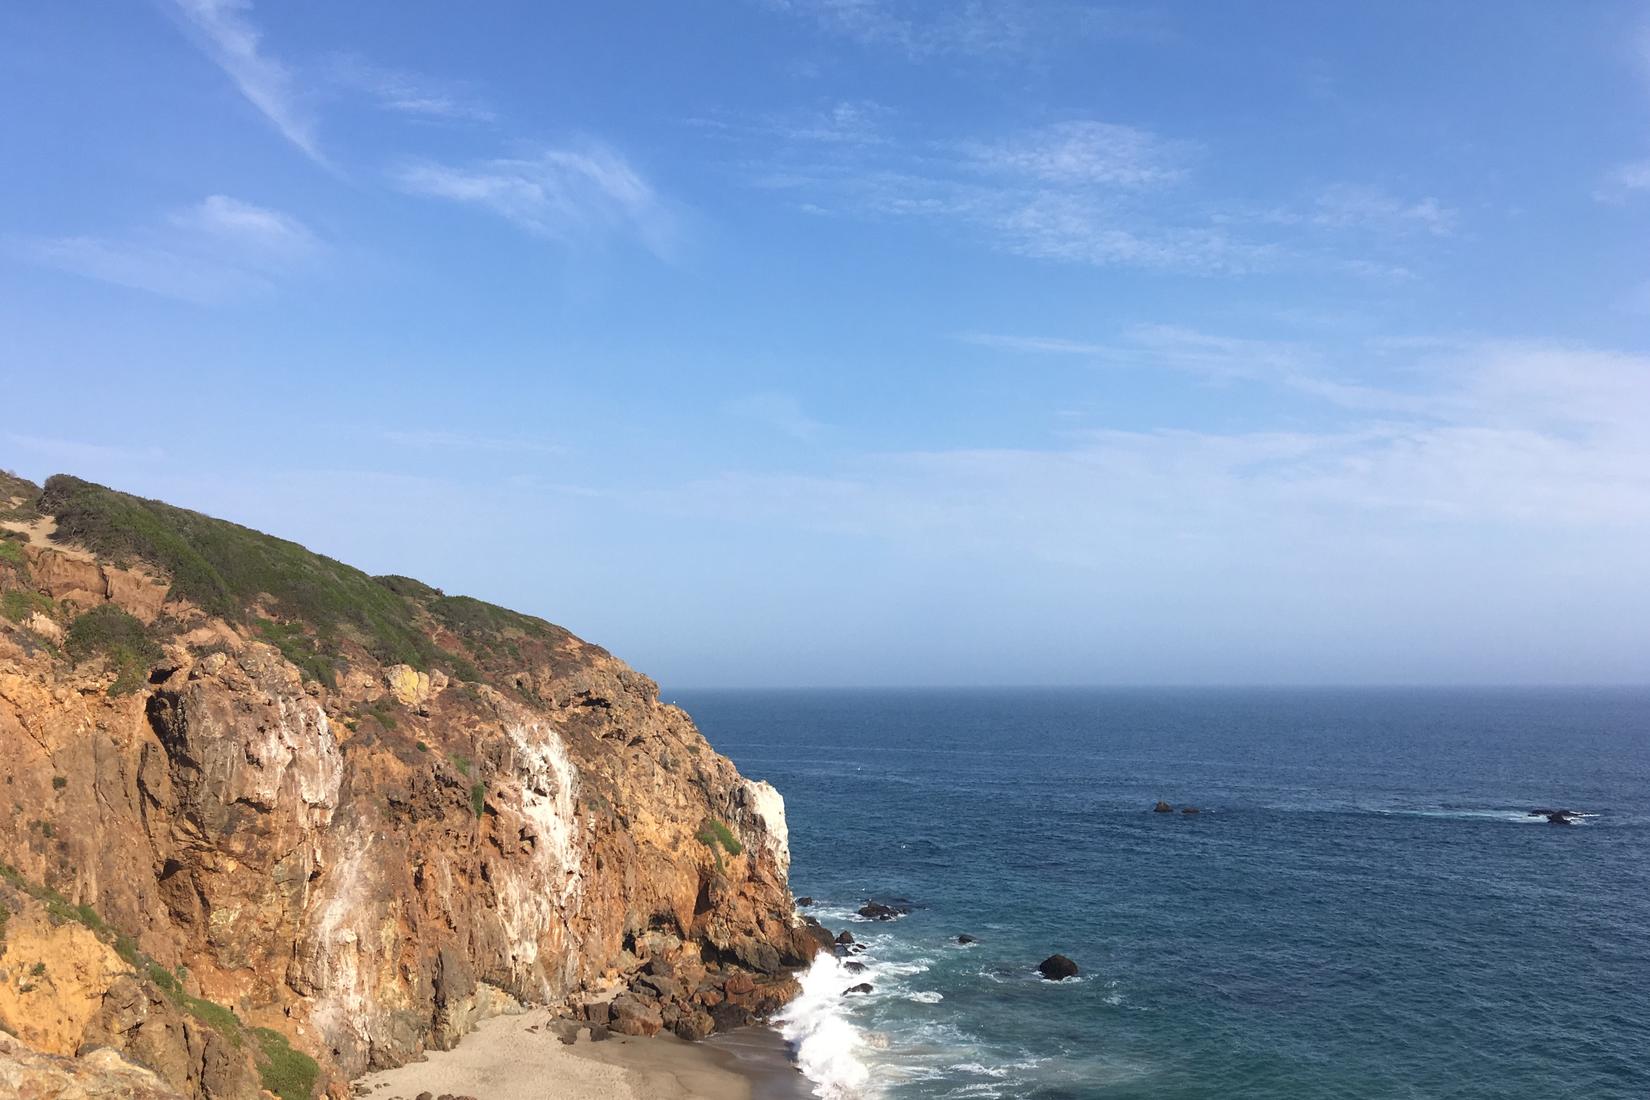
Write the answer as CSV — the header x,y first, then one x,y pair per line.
x,y
1513,816
829,1049
926,997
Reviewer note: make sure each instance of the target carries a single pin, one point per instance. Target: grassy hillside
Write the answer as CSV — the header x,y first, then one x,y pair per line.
x,y
306,603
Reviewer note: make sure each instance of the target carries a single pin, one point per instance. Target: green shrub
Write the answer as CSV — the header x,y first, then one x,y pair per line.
x,y
210,1013
11,553
19,604
713,832
478,798
298,647
111,633
289,1074
381,711
462,763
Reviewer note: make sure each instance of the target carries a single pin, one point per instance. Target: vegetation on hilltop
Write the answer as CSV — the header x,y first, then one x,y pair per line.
x,y
306,604
13,488
228,570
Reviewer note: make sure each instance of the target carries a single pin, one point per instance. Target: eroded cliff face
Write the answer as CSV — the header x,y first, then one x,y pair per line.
x,y
365,868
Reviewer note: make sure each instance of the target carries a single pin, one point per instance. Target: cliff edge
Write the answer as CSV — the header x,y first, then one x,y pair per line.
x,y
274,822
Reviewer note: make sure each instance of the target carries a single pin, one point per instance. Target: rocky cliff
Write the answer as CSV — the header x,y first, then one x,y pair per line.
x,y
265,809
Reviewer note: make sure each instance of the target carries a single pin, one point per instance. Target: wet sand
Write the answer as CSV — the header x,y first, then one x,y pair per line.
x,y
518,1058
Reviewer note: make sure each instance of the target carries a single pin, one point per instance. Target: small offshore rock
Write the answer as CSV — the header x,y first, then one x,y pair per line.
x,y
1162,808
854,967
804,902
965,938
845,937
1190,810
1057,967
875,910
862,987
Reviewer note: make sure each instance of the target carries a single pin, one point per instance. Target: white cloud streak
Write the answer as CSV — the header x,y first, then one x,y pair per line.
x,y
225,32
976,28
559,194
216,250
410,94
1624,181
1079,191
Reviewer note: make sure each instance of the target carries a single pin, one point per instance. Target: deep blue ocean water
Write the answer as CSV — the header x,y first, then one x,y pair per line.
x,y
1362,909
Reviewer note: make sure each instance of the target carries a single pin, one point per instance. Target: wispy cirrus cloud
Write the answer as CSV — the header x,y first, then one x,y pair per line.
x,y
1345,206
225,33
1223,358
410,94
845,122
1081,191
1624,181
1081,153
568,195
977,28
213,251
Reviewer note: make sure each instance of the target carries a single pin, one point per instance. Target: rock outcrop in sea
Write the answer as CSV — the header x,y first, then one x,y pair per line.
x,y
276,822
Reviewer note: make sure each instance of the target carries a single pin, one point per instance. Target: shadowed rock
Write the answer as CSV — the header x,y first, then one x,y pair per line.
x,y
1057,967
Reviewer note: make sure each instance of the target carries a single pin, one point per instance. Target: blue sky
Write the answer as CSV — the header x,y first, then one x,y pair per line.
x,y
872,342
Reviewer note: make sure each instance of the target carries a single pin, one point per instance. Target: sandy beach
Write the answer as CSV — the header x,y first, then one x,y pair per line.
x,y
522,1058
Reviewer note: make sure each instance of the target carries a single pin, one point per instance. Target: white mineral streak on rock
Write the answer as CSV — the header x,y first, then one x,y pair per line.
x,y
769,805
535,903
299,745
339,938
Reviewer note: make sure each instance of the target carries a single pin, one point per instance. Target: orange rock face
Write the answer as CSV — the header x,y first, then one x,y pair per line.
x,y
371,868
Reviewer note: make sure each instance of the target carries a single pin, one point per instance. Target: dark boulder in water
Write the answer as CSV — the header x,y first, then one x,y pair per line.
x,y
876,910
845,937
1162,808
1057,967
965,938
854,968
804,902
862,987
1561,817
1191,810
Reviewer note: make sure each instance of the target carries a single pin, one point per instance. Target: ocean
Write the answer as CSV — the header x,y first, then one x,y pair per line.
x,y
1362,908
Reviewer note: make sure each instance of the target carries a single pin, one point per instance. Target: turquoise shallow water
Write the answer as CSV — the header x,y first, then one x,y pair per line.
x,y
1363,909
